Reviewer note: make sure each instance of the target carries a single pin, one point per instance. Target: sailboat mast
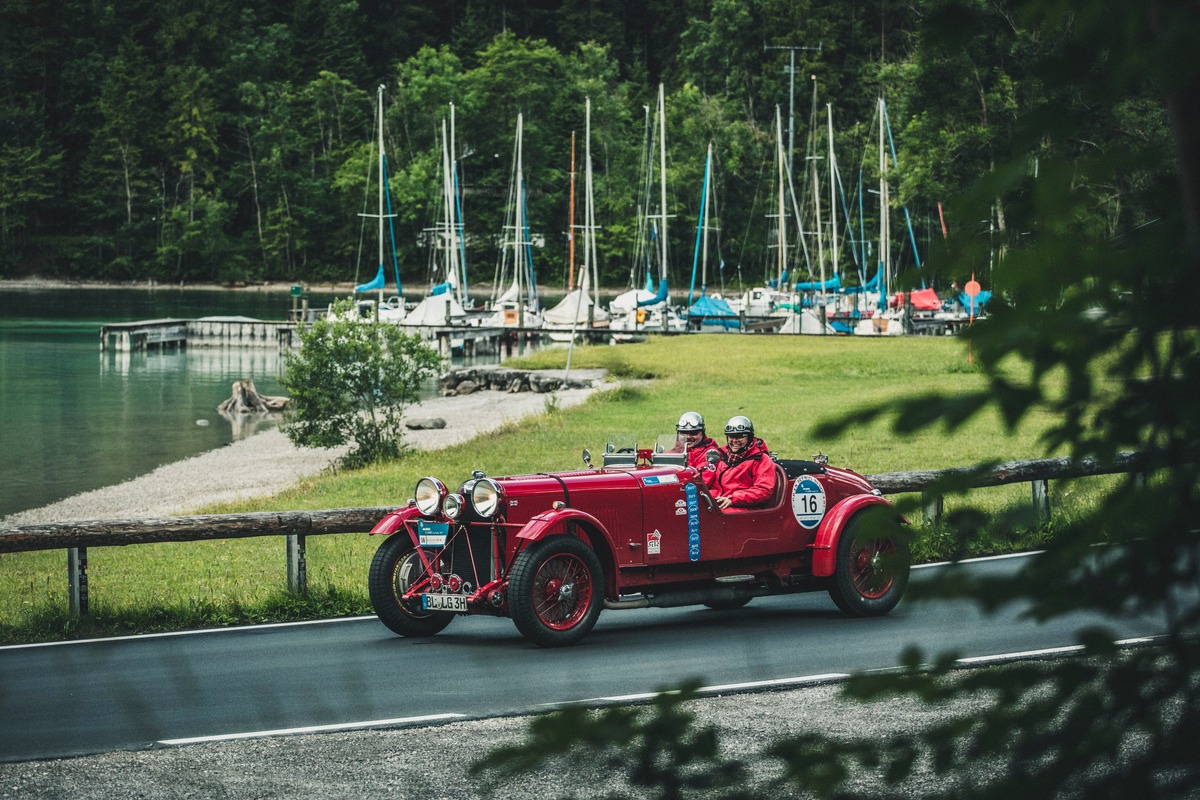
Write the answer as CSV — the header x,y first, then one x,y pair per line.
x,y
781,258
833,228
457,240
518,260
662,163
704,220
571,222
449,241
884,255
592,269
382,178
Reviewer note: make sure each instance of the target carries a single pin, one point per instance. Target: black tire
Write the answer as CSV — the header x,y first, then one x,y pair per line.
x,y
395,569
556,591
728,605
872,566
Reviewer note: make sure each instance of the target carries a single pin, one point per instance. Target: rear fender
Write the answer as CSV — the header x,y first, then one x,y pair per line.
x,y
593,531
825,546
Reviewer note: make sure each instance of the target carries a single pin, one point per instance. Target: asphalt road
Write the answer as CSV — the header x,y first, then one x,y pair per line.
x,y
100,696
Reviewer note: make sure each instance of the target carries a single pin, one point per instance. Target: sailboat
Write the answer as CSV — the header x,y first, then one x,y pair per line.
x,y
391,310
580,308
517,306
644,310
444,305
709,313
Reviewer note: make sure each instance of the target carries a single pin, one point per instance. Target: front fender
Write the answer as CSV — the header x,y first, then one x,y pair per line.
x,y
394,521
830,532
540,527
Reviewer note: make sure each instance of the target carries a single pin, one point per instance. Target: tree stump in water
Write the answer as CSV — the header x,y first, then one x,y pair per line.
x,y
245,399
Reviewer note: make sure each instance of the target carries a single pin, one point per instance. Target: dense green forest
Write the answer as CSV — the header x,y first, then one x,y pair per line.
x,y
211,140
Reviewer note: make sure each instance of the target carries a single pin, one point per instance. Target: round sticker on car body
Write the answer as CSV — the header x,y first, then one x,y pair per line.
x,y
808,501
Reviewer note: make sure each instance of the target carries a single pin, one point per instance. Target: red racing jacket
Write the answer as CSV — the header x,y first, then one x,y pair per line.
x,y
748,479
696,455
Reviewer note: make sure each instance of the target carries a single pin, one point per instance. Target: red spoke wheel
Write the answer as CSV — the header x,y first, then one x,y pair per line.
x,y
555,591
397,569
872,566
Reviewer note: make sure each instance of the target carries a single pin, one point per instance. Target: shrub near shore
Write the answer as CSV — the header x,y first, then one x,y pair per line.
x,y
787,385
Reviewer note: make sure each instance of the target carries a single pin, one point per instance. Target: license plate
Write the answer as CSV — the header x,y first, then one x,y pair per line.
x,y
444,602
432,534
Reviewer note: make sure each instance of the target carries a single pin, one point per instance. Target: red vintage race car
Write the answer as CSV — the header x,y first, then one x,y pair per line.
x,y
641,530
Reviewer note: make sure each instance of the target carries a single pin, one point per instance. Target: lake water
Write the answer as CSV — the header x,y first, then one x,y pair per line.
x,y
73,418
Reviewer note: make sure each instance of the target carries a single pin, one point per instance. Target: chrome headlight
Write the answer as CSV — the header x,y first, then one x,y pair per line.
x,y
486,497
429,495
452,506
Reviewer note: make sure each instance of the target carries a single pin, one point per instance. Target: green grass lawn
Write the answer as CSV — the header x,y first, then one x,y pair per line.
x,y
786,385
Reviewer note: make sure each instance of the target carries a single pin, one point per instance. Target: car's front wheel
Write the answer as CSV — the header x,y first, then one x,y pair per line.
x,y
556,590
396,569
871,569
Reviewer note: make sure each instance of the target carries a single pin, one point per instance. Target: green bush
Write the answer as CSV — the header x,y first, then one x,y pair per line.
x,y
350,383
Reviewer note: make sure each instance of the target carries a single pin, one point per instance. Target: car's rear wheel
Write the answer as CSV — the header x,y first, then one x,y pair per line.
x,y
555,591
396,569
872,567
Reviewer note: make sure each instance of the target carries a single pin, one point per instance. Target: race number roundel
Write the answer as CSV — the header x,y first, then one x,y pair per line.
x,y
808,501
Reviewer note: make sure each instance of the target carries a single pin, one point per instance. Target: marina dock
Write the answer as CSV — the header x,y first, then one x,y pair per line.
x,y
161,334
166,334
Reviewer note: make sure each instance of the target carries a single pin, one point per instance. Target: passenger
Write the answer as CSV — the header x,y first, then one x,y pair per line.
x,y
745,476
690,434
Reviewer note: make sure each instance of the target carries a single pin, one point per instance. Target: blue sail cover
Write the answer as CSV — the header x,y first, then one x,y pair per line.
x,y
378,283
981,301
660,297
714,311
831,285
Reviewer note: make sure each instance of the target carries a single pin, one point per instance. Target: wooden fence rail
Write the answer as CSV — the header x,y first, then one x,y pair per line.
x,y
77,537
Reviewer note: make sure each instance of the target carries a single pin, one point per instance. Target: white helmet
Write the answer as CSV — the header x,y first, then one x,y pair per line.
x,y
690,421
739,425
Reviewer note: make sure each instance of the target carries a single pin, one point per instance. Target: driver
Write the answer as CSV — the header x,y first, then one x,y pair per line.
x,y
689,433
745,475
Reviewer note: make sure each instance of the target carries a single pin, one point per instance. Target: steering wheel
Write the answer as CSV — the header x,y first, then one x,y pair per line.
x,y
626,450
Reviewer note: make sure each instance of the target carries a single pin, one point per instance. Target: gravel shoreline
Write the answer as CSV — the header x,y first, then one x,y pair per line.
x,y
267,463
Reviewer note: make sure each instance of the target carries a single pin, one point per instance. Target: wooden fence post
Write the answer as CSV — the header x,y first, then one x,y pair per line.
x,y
77,580
297,566
1041,499
933,505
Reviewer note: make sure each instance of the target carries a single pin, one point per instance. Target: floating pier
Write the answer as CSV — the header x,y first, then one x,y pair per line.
x,y
163,334
160,334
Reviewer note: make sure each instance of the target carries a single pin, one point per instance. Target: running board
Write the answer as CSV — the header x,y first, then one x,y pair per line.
x,y
672,598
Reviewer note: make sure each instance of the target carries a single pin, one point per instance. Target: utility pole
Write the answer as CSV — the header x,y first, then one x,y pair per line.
x,y
792,94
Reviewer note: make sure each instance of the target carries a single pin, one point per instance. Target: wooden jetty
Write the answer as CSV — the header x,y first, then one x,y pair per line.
x,y
162,334
159,334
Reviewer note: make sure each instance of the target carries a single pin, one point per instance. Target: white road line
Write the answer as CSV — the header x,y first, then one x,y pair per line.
x,y
725,687
200,632
343,726
1022,554
1049,651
